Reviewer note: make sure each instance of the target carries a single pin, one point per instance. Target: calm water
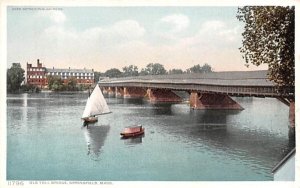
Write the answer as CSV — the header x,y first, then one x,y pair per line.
x,y
46,140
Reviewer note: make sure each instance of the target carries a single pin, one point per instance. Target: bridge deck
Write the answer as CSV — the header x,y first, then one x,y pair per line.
x,y
249,83
234,78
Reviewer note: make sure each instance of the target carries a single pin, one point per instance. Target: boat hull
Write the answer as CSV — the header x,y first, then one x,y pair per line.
x,y
132,134
90,120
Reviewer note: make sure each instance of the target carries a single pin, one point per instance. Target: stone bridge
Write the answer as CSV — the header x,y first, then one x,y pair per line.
x,y
207,91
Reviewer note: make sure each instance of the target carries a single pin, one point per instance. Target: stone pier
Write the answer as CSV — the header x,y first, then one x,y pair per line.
x,y
213,101
134,92
111,91
104,90
162,96
119,91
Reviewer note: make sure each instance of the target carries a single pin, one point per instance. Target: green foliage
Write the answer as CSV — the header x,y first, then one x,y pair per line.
x,y
28,88
71,84
206,68
82,87
269,38
15,76
175,71
113,73
55,83
153,69
150,69
97,75
130,70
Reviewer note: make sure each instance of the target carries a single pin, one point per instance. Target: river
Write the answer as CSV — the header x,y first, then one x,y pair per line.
x,y
46,140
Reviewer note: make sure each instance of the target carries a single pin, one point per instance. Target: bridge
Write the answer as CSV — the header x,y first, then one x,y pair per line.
x,y
236,83
206,91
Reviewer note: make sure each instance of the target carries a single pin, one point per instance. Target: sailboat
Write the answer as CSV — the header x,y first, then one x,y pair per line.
x,y
95,105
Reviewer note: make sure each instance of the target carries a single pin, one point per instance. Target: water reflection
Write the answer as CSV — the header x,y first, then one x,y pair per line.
x,y
133,140
211,116
161,109
213,130
95,137
136,101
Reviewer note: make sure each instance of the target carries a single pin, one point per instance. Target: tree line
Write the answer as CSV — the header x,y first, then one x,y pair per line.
x,y
151,69
15,77
55,83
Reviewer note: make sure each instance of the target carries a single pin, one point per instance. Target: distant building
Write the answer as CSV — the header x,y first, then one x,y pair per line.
x,y
82,76
38,75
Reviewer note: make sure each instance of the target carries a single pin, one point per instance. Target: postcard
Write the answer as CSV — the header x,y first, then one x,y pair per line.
x,y
148,94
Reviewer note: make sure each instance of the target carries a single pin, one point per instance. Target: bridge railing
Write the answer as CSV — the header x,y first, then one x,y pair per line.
x,y
236,90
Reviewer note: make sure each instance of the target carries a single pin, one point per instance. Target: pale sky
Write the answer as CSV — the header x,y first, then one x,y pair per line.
x,y
101,38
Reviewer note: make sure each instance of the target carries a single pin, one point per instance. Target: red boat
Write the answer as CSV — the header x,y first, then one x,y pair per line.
x,y
132,131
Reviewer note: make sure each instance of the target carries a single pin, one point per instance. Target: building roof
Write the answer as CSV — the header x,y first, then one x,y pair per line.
x,y
70,70
232,78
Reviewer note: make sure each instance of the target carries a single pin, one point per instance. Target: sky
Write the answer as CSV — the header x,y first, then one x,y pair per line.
x,y
105,37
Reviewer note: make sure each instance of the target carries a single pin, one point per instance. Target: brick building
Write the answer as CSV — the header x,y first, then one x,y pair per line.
x,y
38,75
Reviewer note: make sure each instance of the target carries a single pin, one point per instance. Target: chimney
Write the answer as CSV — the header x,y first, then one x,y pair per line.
x,y
53,68
38,63
28,65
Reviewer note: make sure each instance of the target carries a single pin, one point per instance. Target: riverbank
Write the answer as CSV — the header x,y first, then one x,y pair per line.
x,y
64,92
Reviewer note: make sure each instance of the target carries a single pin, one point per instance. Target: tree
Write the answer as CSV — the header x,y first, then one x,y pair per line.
x,y
55,83
30,88
143,72
269,38
71,84
195,69
206,68
15,76
154,69
97,75
175,71
130,70
113,73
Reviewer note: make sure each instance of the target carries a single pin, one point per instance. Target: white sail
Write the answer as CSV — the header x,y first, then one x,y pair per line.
x,y
86,112
96,104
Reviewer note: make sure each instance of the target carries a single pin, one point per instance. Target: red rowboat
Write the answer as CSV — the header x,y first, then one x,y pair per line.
x,y
132,131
